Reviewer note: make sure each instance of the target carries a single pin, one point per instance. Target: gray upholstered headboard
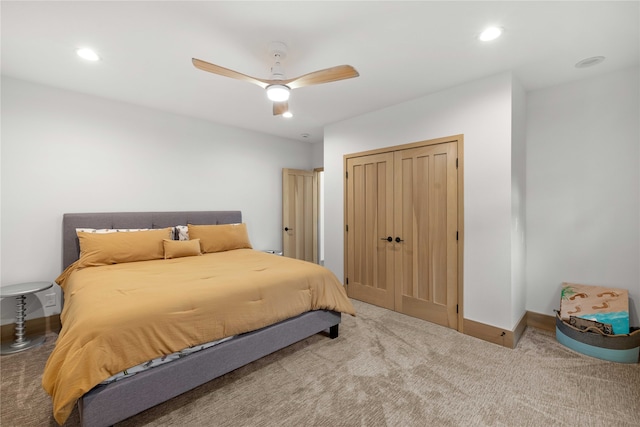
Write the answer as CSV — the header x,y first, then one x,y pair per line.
x,y
71,221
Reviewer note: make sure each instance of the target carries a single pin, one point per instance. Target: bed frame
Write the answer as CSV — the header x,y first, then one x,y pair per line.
x,y
107,404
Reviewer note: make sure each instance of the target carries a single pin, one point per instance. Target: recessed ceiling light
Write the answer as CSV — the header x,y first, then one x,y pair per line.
x,y
490,33
589,62
88,54
287,114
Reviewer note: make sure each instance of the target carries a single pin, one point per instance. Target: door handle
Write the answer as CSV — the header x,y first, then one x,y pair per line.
x,y
388,239
398,240
288,229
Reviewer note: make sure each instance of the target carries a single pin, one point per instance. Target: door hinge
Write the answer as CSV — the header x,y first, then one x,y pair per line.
x,y
347,174
457,308
347,280
456,235
346,227
456,163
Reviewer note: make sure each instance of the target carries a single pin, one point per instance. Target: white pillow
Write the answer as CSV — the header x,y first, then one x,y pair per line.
x,y
182,232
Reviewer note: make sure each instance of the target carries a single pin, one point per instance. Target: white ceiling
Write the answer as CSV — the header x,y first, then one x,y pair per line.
x,y
402,50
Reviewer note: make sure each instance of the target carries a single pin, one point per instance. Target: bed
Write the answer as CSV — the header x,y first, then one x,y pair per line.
x,y
107,404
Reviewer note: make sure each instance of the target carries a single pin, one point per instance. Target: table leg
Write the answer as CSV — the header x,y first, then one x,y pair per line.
x,y
21,311
21,341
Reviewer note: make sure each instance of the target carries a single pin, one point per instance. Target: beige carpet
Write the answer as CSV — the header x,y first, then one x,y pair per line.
x,y
385,369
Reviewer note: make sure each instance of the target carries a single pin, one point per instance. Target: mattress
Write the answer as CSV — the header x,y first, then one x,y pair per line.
x,y
159,361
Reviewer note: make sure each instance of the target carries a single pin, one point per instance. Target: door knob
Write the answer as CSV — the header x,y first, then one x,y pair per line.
x,y
288,229
398,240
388,239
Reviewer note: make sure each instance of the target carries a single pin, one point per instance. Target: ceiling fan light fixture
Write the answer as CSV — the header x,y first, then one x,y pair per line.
x,y
278,93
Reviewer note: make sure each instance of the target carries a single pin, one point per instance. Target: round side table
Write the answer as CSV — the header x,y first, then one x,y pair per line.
x,y
20,291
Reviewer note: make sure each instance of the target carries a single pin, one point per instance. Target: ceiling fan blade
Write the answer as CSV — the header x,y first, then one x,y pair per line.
x,y
341,72
216,69
280,108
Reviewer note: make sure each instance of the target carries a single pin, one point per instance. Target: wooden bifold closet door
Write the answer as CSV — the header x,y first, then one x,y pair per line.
x,y
370,257
401,231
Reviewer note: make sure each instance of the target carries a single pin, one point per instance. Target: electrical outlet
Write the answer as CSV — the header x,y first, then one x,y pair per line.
x,y
50,300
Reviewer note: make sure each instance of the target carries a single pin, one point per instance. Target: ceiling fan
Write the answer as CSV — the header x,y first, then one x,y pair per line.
x,y
278,87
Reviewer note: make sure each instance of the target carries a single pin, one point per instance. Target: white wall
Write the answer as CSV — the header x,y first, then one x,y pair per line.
x,y
317,154
518,202
67,152
480,110
583,188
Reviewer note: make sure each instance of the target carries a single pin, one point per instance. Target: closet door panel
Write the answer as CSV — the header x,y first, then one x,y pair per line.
x,y
370,220
425,219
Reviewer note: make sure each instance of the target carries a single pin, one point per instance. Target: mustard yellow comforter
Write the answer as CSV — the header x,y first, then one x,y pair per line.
x,y
118,316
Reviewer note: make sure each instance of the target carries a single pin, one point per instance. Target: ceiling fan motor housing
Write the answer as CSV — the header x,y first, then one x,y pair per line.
x,y
278,51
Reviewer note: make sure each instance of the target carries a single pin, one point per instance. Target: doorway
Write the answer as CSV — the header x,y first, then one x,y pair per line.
x,y
302,214
403,233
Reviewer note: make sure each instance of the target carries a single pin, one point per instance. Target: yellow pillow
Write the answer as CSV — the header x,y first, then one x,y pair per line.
x,y
218,238
113,248
181,248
